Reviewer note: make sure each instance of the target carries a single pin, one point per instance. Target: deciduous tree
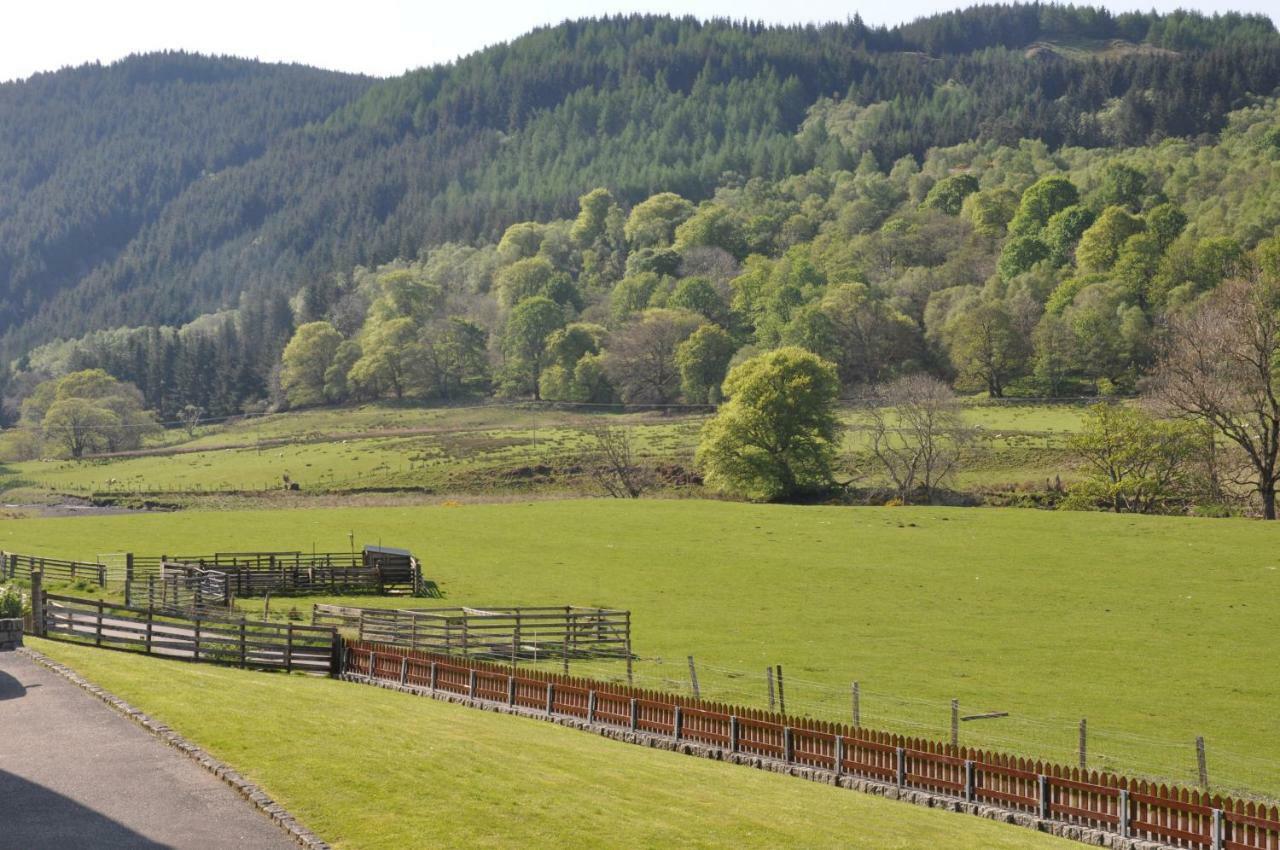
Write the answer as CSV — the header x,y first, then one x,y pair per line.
x,y
778,434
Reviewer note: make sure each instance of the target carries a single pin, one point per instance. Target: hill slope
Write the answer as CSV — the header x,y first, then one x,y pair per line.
x,y
205,178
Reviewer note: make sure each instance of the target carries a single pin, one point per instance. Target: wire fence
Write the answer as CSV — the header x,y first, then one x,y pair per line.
x,y
1039,736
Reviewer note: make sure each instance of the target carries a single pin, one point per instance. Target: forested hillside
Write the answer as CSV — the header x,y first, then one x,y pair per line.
x,y
166,186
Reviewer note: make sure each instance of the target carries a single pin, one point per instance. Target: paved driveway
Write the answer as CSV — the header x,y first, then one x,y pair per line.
x,y
75,774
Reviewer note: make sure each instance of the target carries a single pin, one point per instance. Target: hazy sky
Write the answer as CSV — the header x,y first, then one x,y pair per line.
x,y
382,37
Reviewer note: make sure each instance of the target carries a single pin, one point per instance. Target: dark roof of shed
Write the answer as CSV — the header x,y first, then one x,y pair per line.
x,y
387,550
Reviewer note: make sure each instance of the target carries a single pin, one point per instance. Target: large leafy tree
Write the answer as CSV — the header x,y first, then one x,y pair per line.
x,y
89,411
524,341
778,434
305,361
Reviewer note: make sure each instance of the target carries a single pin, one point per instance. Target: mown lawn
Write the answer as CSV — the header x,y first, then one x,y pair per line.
x,y
366,769
1155,629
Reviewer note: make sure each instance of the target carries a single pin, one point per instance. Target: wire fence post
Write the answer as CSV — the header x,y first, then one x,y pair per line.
x,y
1084,742
768,675
693,679
857,706
955,722
1201,765
782,695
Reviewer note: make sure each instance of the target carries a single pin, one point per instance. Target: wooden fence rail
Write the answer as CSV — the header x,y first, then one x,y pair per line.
x,y
13,565
241,643
490,632
1129,807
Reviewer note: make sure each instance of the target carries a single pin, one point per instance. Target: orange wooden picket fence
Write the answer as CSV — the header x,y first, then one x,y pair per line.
x,y
1174,816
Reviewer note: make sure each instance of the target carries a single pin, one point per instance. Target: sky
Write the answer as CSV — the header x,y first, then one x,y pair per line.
x,y
386,37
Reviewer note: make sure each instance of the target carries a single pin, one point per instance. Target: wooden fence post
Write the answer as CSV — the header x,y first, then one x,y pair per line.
x,y
97,634
955,722
150,618
37,603
511,690
1084,740
628,648
782,695
968,781
733,733
404,670
677,723
1124,813
768,675
471,685
196,655
591,707
551,698
1219,837
1201,765
128,579
635,715
839,754
788,745
435,677
902,766
1044,797
857,706
693,679
288,648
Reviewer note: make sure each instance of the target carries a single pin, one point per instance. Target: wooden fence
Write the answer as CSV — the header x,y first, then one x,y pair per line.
x,y
492,632
13,565
257,573
241,643
1132,808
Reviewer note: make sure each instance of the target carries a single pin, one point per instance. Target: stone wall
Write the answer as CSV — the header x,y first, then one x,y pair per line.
x,y
10,634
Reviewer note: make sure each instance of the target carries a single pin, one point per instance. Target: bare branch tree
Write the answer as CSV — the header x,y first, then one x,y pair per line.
x,y
612,463
191,416
917,434
1219,365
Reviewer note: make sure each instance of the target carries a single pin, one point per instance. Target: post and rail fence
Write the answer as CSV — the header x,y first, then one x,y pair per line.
x,y
241,643
507,633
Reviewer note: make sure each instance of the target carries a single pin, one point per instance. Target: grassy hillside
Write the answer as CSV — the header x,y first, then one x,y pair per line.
x,y
1155,629
485,449
369,769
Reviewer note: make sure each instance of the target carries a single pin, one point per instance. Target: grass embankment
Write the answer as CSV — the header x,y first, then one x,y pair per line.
x,y
367,768
485,450
1156,629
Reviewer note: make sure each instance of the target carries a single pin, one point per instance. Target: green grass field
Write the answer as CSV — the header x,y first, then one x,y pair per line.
x,y
1156,629
367,769
481,450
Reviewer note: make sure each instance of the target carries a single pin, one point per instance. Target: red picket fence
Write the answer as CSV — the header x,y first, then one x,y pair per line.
x,y
1174,816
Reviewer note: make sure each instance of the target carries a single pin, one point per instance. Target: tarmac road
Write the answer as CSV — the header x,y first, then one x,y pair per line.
x,y
75,774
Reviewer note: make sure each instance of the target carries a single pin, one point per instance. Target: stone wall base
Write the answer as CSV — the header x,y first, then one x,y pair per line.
x,y
10,634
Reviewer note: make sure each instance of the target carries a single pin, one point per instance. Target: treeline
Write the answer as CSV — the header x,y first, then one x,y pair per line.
x,y
1005,270
457,153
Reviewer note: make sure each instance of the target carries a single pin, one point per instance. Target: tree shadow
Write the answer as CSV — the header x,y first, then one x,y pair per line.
x,y
36,818
11,688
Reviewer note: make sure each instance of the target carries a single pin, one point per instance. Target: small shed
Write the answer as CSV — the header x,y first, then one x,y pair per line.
x,y
394,566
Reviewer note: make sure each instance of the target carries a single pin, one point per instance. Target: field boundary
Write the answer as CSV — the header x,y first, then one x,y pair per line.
x,y
258,798
1102,809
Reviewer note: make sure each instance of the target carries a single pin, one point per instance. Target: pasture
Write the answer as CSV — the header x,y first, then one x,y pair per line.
x,y
1156,629
369,769
487,449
